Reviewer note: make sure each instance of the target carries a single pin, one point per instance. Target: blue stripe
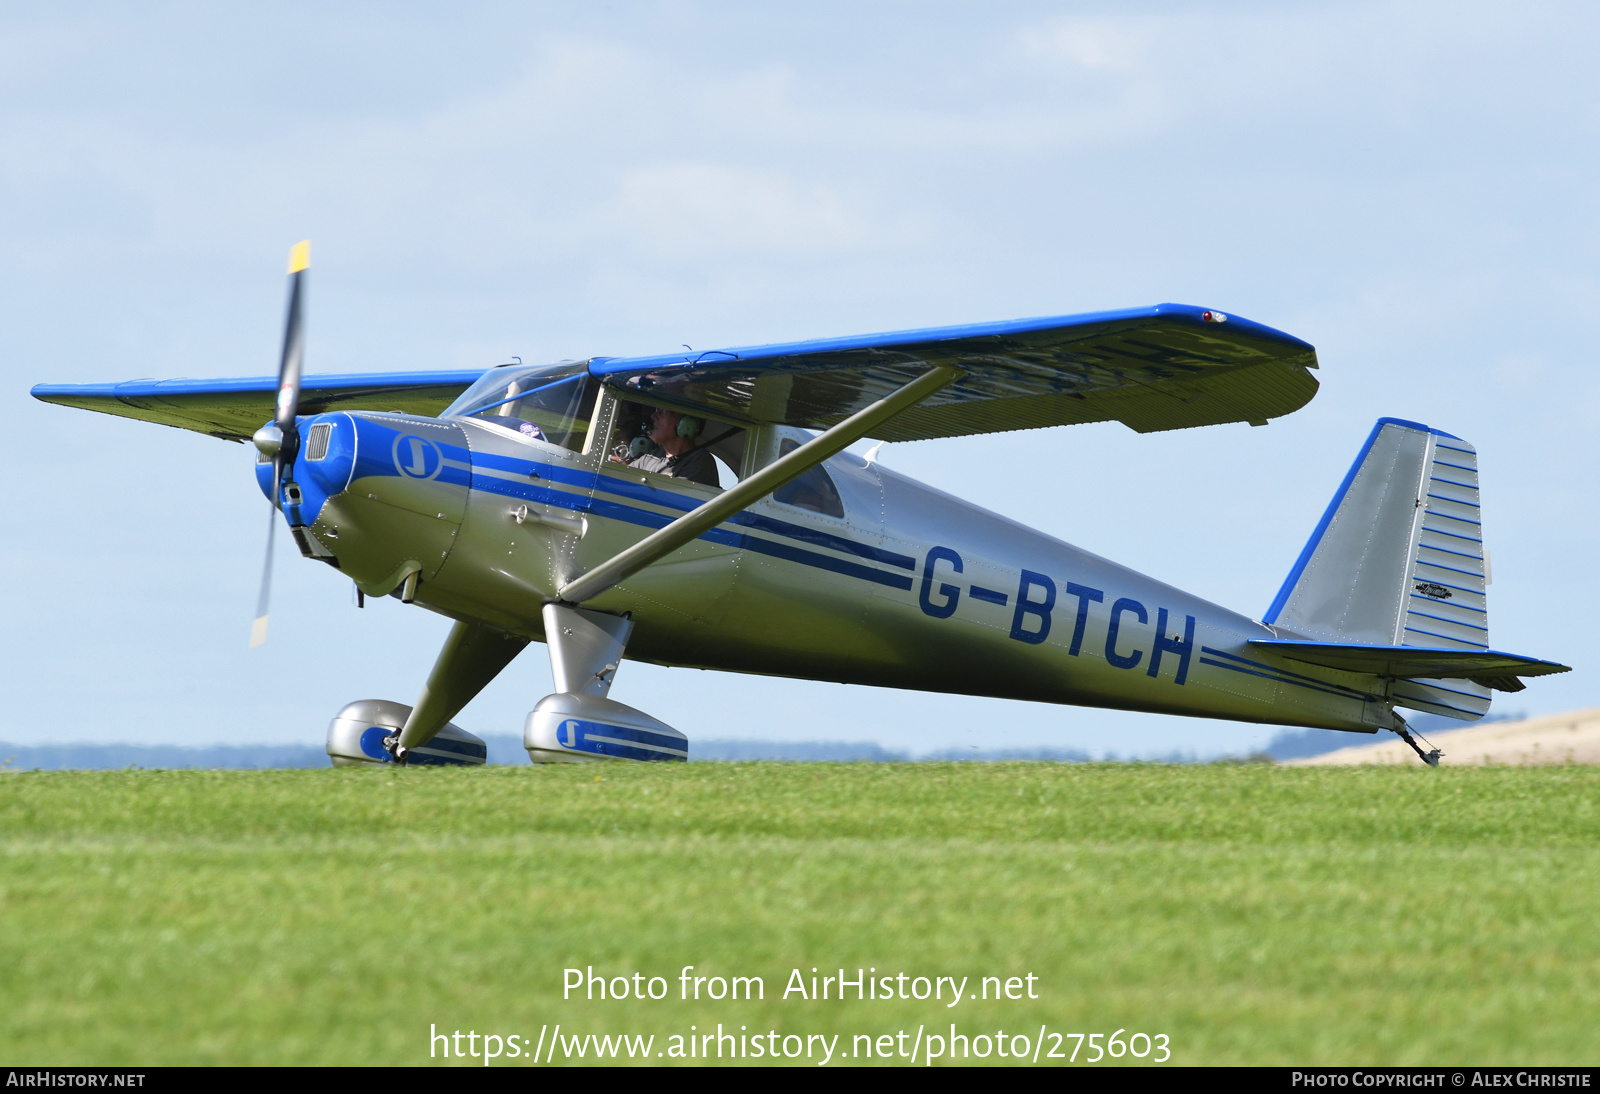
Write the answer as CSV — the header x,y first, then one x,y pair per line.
x,y
1448,637
632,733
819,538
612,484
581,732
1418,680
1452,569
825,562
1434,512
1424,597
1453,448
345,383
1455,501
1400,697
1274,679
630,515
980,593
1448,551
1447,619
1457,466
1452,535
925,343
1453,482
1286,672
815,536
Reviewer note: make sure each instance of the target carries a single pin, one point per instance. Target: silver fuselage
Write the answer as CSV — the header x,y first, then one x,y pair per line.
x,y
912,588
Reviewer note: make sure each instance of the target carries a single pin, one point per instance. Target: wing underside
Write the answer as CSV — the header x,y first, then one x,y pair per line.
x,y
1168,367
233,409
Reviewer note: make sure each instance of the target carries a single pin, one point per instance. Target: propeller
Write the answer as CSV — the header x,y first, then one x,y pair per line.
x,y
281,439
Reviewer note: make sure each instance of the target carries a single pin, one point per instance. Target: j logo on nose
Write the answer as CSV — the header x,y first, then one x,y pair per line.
x,y
416,457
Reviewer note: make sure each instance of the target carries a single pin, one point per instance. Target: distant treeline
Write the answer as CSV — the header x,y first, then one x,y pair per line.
x,y
502,750
507,749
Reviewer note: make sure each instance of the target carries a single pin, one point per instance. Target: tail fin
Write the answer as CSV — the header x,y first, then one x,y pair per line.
x,y
1398,560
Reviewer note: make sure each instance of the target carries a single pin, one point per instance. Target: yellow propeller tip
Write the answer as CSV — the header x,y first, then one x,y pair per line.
x,y
300,256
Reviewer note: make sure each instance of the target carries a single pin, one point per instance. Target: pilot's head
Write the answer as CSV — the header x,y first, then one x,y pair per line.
x,y
664,425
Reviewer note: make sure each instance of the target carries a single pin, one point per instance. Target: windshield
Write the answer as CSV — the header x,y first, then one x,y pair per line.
x,y
551,403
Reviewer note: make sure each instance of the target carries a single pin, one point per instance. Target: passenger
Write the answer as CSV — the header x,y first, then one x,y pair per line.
x,y
675,433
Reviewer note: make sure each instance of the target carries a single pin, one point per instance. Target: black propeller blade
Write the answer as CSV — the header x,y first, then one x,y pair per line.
x,y
281,439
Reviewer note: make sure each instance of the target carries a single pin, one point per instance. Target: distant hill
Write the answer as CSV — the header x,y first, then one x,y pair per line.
x,y
1297,744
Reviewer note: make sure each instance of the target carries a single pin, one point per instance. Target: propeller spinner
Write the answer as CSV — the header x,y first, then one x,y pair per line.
x,y
281,439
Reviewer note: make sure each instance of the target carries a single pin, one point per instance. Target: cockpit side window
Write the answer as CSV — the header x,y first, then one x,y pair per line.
x,y
693,448
554,404
814,490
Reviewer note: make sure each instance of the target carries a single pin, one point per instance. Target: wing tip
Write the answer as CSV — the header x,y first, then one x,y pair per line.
x,y
300,256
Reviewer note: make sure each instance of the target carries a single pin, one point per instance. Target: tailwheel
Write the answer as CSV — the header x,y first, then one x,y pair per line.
x,y
1430,757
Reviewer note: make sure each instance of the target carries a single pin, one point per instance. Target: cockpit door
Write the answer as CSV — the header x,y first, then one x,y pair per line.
x,y
687,588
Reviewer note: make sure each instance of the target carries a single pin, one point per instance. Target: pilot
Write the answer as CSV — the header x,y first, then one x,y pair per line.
x,y
675,433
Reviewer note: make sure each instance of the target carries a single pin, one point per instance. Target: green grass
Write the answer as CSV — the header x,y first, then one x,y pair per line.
x,y
1253,914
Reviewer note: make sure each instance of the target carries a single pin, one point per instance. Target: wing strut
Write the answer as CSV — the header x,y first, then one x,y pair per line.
x,y
696,522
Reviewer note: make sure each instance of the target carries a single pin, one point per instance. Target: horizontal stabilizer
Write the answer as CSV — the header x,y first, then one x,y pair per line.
x,y
1490,668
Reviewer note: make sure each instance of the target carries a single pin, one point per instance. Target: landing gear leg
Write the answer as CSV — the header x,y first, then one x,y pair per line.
x,y
1430,757
578,722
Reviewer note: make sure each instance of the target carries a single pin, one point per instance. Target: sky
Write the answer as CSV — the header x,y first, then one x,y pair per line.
x,y
1411,187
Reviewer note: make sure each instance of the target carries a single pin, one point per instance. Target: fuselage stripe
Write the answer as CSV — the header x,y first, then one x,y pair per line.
x,y
1280,679
632,515
642,492
1285,672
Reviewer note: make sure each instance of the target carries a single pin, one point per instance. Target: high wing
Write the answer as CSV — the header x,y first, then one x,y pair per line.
x,y
233,409
1171,366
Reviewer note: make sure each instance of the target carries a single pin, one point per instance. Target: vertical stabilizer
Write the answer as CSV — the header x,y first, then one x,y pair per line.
x,y
1397,560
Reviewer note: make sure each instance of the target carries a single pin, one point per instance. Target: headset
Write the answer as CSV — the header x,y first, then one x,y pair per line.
x,y
688,428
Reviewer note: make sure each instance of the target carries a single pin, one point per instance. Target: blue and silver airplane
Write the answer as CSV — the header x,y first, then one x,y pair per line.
x,y
700,510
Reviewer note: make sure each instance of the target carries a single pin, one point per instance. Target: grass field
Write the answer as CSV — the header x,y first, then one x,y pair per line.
x,y
1254,914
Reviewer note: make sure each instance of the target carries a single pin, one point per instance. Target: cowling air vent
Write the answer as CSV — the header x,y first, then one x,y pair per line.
x,y
317,442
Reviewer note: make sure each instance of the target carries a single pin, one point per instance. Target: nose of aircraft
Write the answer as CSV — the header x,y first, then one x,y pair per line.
x,y
324,464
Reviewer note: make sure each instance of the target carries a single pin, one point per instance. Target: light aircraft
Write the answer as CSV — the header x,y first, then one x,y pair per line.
x,y
557,503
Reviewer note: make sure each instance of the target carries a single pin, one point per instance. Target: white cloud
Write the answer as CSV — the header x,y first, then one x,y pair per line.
x,y
713,207
1105,44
